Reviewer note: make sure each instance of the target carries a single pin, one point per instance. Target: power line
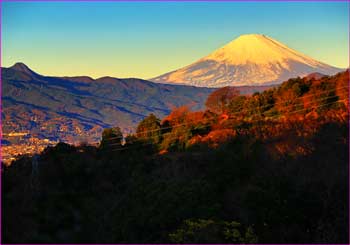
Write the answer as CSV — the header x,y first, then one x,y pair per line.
x,y
240,112
179,125
292,112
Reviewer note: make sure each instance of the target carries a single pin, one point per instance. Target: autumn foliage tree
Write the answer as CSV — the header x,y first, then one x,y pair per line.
x,y
220,99
177,116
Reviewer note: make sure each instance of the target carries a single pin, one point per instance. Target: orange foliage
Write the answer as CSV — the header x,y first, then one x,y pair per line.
x,y
285,102
224,117
182,115
342,86
162,152
219,100
214,138
195,117
299,106
177,116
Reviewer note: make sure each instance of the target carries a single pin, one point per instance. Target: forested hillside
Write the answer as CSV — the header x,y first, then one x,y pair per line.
x,y
272,167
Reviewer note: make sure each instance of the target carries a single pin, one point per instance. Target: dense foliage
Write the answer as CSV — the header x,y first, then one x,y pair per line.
x,y
269,168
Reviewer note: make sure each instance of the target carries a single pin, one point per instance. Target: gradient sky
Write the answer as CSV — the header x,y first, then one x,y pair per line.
x,y
147,39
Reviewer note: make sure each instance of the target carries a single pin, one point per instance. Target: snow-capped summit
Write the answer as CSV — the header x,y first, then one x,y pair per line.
x,y
251,59
258,49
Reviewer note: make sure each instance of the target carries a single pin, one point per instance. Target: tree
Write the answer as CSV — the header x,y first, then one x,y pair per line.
x,y
130,139
210,231
177,116
111,138
149,129
237,104
220,99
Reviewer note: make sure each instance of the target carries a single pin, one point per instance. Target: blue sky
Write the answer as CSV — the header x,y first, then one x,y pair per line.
x,y
146,39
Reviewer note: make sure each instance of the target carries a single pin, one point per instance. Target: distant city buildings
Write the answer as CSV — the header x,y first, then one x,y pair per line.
x,y
20,146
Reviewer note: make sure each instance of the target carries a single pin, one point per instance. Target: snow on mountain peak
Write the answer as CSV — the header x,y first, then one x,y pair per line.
x,y
257,49
251,59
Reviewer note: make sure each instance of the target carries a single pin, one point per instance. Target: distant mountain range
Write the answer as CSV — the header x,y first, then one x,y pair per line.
x,y
251,59
74,109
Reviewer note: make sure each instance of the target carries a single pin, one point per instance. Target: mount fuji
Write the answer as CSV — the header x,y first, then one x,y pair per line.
x,y
251,59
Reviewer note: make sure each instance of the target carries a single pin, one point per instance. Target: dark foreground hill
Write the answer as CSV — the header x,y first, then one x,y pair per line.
x,y
274,171
74,109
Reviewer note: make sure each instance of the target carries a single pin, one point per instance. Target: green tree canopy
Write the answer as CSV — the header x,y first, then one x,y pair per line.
x,y
111,137
149,129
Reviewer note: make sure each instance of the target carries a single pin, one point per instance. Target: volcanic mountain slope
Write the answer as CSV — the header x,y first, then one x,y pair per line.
x,y
251,59
74,109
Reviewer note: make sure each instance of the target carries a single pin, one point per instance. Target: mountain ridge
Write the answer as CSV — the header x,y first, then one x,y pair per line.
x,y
64,107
